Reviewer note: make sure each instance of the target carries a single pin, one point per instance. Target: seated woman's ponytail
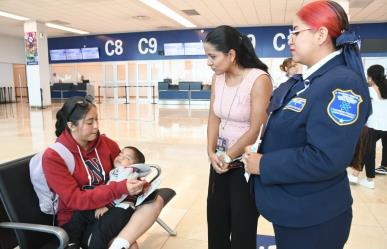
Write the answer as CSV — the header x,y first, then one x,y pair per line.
x,y
61,122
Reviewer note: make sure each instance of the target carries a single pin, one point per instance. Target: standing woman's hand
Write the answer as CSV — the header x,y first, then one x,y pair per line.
x,y
252,161
134,186
219,166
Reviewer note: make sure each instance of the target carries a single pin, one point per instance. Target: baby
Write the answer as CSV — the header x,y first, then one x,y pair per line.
x,y
122,170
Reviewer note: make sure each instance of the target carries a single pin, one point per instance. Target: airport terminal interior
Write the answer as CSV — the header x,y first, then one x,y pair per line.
x,y
151,87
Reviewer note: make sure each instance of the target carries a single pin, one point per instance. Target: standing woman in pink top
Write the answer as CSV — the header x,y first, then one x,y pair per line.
x,y
241,90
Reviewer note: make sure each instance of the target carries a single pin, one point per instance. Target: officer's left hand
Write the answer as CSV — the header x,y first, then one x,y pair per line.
x,y
251,161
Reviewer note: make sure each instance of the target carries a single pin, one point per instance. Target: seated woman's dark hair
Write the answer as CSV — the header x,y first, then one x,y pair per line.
x,y
224,38
376,73
73,110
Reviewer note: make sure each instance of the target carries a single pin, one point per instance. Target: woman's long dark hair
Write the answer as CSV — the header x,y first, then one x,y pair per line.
x,y
73,110
224,38
376,73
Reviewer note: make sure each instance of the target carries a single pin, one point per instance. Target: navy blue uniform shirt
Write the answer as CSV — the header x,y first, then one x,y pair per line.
x,y
308,143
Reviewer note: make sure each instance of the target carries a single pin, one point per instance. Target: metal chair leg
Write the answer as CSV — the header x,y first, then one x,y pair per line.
x,y
166,227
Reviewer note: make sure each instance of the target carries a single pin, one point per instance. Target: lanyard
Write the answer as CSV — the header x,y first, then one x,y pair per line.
x,y
232,102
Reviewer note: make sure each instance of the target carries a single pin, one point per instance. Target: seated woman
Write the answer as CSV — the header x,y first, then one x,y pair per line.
x,y
85,189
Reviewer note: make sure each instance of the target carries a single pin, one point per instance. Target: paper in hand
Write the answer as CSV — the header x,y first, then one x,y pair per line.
x,y
254,148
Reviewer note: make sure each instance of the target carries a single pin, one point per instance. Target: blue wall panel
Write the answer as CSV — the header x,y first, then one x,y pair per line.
x,y
270,42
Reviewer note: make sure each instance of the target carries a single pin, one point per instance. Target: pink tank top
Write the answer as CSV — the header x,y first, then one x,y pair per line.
x,y
234,115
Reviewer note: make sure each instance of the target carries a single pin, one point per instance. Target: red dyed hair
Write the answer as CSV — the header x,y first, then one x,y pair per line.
x,y
322,13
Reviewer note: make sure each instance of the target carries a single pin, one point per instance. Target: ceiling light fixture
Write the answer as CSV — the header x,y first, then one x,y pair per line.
x,y
141,18
155,4
12,16
77,31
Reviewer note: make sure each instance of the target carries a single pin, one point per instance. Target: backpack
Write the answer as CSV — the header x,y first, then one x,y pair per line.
x,y
48,200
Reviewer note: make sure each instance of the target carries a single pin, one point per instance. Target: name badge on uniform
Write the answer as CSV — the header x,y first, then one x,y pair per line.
x,y
343,108
296,104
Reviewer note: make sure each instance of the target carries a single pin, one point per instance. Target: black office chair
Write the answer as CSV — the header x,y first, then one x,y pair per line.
x,y
33,229
7,236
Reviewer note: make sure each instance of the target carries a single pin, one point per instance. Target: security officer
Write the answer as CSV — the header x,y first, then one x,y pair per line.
x,y
300,179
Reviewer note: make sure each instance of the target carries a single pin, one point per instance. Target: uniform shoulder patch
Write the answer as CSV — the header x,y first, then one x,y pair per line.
x,y
296,104
343,108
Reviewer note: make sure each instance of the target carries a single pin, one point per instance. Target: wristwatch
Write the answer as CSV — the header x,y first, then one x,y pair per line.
x,y
226,158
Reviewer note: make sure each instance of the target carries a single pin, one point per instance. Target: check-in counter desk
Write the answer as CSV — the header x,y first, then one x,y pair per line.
x,y
68,90
186,91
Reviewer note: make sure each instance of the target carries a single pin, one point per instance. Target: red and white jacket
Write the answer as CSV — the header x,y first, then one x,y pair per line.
x,y
91,168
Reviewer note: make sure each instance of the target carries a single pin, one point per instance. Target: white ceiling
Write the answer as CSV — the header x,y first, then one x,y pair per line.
x,y
116,16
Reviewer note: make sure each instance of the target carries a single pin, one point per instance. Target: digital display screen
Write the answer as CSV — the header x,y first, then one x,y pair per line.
x,y
90,53
173,49
73,54
373,45
193,48
58,55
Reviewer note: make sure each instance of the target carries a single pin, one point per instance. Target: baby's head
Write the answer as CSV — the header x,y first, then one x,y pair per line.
x,y
128,156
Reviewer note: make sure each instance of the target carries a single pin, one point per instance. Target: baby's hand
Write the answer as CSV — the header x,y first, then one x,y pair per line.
x,y
100,211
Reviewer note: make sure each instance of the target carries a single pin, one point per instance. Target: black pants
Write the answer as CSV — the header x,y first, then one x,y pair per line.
x,y
384,151
361,148
76,227
331,234
373,137
102,230
231,214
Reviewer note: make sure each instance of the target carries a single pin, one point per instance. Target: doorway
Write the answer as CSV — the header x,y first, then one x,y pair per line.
x,y
115,77
20,81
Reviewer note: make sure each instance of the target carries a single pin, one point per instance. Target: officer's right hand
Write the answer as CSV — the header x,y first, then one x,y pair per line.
x,y
217,164
134,186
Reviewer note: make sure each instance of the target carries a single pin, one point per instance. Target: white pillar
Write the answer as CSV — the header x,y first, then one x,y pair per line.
x,y
38,73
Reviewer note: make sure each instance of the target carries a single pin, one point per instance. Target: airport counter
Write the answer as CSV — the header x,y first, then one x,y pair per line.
x,y
185,91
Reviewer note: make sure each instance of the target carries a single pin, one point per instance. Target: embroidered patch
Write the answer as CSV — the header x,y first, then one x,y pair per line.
x,y
296,104
343,109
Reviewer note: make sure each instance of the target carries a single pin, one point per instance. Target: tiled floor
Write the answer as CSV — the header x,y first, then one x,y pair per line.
x,y
175,138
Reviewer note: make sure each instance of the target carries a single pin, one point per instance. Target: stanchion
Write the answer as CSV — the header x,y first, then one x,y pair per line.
x,y
15,94
41,99
153,94
126,95
28,97
10,94
99,94
1,96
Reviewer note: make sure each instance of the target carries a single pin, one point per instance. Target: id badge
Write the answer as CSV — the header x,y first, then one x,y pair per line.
x,y
221,145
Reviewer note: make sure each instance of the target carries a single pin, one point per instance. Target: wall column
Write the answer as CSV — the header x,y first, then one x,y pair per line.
x,y
38,72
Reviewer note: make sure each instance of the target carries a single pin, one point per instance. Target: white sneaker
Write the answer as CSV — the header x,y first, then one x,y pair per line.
x,y
353,179
368,184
